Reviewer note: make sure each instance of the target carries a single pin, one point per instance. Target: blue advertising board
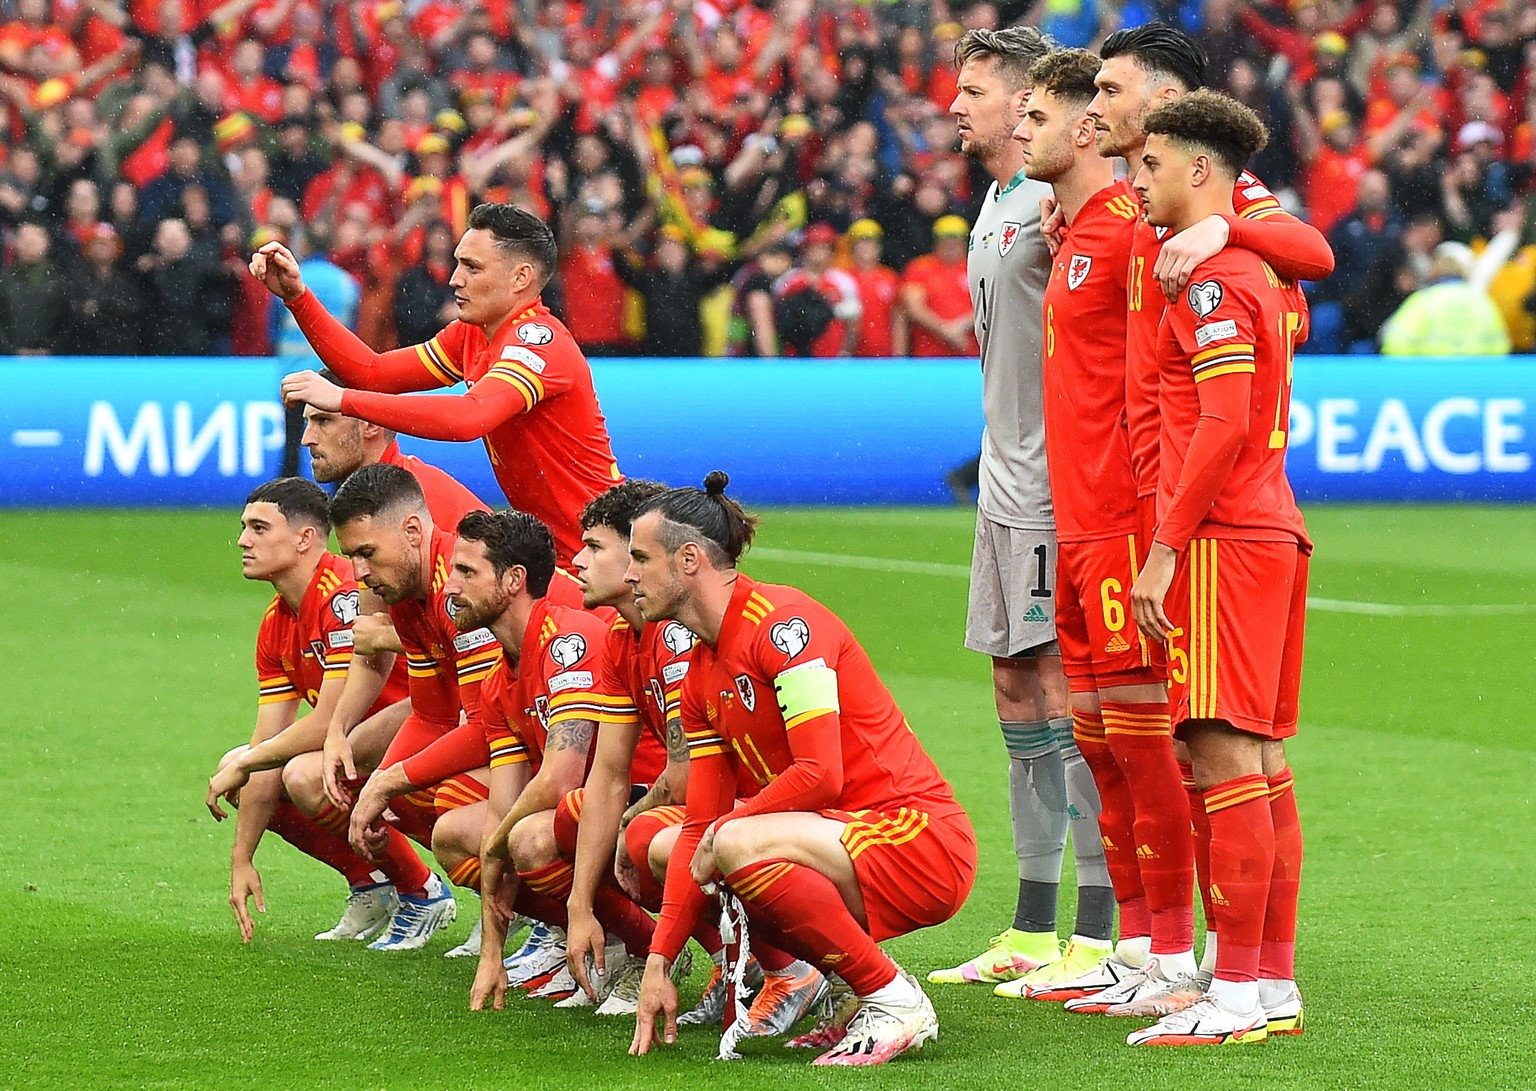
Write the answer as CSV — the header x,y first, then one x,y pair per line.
x,y
129,431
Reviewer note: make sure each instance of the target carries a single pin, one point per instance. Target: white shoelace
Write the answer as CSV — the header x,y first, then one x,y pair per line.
x,y
733,929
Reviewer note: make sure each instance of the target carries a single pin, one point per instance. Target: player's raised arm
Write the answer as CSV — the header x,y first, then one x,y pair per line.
x,y
1293,248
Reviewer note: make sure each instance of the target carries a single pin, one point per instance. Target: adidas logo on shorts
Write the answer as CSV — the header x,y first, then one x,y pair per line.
x,y
1036,613
1116,645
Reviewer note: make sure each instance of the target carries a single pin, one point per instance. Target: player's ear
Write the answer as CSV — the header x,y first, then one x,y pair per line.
x,y
688,558
413,529
516,579
1201,169
1085,132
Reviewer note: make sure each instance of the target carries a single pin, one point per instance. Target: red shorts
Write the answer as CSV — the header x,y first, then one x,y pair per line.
x,y
417,812
915,868
1100,643
1239,615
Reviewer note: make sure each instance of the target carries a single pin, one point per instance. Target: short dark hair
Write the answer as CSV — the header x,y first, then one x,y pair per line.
x,y
706,516
1212,122
1014,49
1161,51
1067,74
513,537
299,501
374,489
616,507
519,233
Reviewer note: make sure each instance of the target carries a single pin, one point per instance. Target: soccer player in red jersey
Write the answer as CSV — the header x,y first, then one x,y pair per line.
x,y
1110,667
844,808
1225,579
530,394
402,560
303,649
1144,67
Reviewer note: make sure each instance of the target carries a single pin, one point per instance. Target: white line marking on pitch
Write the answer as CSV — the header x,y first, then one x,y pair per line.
x,y
1325,605
37,437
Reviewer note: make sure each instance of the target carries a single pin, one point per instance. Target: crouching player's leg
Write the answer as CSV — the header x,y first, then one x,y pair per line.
x,y
828,887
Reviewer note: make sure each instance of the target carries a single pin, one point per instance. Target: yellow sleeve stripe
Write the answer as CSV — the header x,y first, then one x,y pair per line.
x,y
1267,206
277,698
620,701
1206,355
1225,369
531,394
621,718
438,362
705,750
508,368
805,717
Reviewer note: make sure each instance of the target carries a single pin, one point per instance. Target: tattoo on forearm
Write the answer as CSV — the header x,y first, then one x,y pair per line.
x,y
572,735
677,743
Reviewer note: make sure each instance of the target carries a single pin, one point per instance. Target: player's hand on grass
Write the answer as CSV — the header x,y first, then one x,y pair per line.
x,y
584,944
244,884
490,985
224,785
308,388
1150,589
1185,252
276,267
340,767
1053,224
656,1013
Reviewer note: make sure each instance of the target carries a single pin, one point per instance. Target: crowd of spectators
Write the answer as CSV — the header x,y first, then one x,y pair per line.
x,y
757,177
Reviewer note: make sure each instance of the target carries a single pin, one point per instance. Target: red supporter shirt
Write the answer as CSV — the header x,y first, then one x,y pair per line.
x,y
296,653
642,683
1225,357
1332,182
844,745
1295,250
531,400
447,500
1088,454
594,295
878,288
947,294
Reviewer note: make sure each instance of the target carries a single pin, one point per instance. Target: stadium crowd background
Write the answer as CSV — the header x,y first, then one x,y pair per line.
x,y
724,176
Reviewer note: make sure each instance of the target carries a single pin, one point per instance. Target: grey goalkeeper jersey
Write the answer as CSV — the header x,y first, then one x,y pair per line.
x,y
1008,267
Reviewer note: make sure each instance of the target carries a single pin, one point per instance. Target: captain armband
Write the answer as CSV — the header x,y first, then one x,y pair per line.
x,y
807,691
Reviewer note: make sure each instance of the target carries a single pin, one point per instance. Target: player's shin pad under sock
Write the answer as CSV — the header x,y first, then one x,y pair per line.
x,y
1200,825
303,833
624,920
807,915
1037,798
1242,860
1140,736
567,822
1096,900
466,873
398,862
552,880
1277,955
1115,816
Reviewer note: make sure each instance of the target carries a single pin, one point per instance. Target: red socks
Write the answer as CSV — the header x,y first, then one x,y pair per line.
x,y
400,864
1116,813
1200,823
466,873
807,917
1140,737
567,820
301,831
1277,956
1242,861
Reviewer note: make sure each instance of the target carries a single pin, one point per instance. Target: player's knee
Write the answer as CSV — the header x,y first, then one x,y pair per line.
x,y
660,852
736,846
532,842
232,755
302,783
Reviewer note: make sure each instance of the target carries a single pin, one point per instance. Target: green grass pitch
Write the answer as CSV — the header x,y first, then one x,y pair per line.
x,y
127,652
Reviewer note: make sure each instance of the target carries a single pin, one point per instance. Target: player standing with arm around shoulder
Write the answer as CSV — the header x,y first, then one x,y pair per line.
x,y
1225,579
1119,705
1011,614
848,835
530,396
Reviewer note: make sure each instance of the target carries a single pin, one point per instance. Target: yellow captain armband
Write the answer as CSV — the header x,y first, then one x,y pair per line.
x,y
806,692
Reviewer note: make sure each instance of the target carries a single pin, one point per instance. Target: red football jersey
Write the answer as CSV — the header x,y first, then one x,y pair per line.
x,y
878,288
447,500
1236,318
1088,454
563,654
296,652
947,294
732,692
445,665
1251,199
642,682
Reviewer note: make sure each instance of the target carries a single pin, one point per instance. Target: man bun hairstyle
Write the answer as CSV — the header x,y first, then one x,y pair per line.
x,y
705,516
1067,74
300,501
372,490
1164,53
1212,122
520,234
617,507
1013,49
513,538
